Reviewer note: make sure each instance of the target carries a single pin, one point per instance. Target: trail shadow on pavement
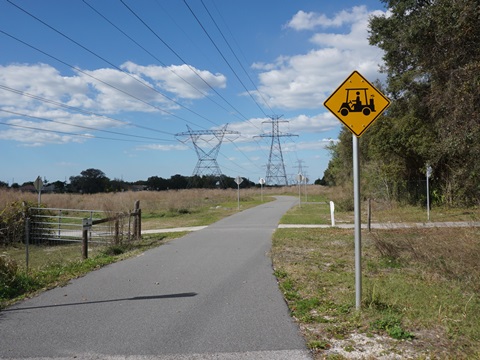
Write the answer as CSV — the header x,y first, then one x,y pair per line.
x,y
146,297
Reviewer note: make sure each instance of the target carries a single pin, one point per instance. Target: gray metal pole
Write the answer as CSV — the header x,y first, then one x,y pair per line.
x,y
238,196
358,225
299,182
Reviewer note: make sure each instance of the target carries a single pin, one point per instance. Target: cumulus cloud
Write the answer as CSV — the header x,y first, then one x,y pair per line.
x,y
311,20
161,147
304,81
183,80
297,125
31,94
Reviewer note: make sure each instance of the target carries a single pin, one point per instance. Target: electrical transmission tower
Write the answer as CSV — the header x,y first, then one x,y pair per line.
x,y
276,174
207,146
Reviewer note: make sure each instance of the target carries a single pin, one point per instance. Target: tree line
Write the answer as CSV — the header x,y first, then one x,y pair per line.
x,y
432,62
92,181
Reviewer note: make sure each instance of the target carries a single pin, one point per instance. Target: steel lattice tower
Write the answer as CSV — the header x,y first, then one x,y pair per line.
x,y
207,146
276,174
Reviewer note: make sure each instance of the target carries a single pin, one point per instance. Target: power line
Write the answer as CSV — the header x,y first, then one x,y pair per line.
x,y
180,58
83,72
223,56
48,101
71,134
158,60
97,79
111,64
81,126
236,57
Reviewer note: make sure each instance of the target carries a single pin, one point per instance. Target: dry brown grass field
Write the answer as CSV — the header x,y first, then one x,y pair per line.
x,y
149,200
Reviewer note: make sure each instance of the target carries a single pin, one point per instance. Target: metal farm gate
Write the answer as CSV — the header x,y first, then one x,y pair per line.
x,y
54,225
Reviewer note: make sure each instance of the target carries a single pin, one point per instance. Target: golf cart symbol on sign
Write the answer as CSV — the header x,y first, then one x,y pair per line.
x,y
353,103
356,103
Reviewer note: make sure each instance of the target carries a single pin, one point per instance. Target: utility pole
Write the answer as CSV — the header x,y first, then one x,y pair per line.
x,y
276,174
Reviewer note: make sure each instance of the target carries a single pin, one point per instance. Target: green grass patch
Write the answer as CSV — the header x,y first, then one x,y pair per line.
x,y
420,287
205,213
308,213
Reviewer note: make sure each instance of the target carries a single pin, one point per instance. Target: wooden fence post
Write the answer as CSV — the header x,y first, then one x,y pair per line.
x,y
86,225
85,244
137,221
117,232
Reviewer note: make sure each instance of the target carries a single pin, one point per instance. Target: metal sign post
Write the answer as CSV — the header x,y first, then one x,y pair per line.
x,y
238,180
38,183
299,181
261,182
357,104
305,183
358,223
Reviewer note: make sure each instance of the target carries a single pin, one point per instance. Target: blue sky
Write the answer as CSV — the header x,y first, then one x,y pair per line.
x,y
108,84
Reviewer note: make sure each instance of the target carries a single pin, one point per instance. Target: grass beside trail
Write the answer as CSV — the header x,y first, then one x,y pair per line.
x,y
421,289
206,213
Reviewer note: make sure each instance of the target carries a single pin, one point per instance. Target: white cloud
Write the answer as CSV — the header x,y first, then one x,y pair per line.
x,y
309,21
316,145
298,125
34,90
184,81
304,81
160,147
313,124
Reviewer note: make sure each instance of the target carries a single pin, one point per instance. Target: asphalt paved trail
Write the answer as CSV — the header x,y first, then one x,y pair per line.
x,y
208,295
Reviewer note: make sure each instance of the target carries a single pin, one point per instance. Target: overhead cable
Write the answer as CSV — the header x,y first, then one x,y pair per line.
x,y
81,126
236,57
111,64
223,57
71,134
48,101
180,58
159,61
97,79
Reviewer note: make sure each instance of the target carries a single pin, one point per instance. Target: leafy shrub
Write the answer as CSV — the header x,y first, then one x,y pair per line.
x,y
12,225
8,272
115,250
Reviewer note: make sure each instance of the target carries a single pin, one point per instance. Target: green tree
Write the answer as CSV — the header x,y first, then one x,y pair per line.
x,y
178,182
59,186
157,183
90,181
432,62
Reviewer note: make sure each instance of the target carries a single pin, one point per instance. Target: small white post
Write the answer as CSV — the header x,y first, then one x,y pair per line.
x,y
332,212
429,173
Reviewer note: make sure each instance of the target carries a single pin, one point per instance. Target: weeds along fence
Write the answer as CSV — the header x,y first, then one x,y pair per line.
x,y
52,226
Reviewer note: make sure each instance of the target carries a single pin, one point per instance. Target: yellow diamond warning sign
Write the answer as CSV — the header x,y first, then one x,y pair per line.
x,y
357,103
